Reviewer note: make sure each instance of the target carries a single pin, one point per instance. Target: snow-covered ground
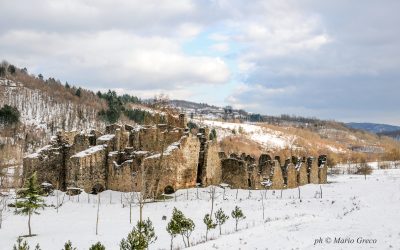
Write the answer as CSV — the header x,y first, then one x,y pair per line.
x,y
264,136
350,208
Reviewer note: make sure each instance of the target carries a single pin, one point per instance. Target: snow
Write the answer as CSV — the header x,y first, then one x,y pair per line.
x,y
89,151
351,207
168,151
37,153
265,136
106,137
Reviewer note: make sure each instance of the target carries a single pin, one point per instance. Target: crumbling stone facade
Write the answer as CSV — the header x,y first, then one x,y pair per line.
x,y
154,158
242,172
313,171
302,176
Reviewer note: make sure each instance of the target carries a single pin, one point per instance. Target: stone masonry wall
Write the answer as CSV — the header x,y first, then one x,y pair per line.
x,y
87,169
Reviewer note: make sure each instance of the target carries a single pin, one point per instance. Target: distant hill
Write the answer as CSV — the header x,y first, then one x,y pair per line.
x,y
373,127
394,134
190,105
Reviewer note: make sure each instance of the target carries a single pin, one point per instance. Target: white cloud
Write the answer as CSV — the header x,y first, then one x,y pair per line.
x,y
123,59
220,47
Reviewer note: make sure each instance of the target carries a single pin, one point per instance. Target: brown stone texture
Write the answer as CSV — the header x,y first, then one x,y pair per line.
x,y
87,169
48,165
265,164
291,176
302,178
322,174
313,172
277,177
150,158
234,173
176,167
212,174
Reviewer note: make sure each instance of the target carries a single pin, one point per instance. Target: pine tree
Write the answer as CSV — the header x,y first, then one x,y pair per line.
x,y
187,228
30,200
140,237
238,215
24,245
179,224
78,92
210,224
173,227
220,218
68,246
213,134
97,246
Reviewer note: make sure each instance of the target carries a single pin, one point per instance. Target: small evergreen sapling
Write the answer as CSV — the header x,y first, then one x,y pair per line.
x,y
30,200
97,246
210,224
220,218
238,215
68,246
173,227
24,245
179,224
140,237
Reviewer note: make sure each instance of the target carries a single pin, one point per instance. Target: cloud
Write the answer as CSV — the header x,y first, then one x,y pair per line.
x,y
220,47
330,59
342,64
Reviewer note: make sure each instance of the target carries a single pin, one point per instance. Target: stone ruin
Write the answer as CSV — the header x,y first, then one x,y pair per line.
x,y
155,158
244,172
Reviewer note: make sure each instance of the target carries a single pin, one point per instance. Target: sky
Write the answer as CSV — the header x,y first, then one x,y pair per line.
x,y
333,59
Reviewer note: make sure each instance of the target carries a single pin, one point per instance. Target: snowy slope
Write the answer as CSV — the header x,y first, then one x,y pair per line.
x,y
264,136
350,207
39,110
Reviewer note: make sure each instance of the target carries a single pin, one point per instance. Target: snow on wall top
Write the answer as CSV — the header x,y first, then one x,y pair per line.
x,y
89,151
37,153
106,137
168,151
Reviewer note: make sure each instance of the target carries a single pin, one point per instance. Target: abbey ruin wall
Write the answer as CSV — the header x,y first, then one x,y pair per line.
x,y
154,158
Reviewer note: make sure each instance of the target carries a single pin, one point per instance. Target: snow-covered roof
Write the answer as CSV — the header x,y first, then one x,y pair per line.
x,y
88,151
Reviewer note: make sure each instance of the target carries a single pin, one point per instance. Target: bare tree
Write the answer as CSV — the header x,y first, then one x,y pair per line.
x,y
130,199
98,212
262,203
4,192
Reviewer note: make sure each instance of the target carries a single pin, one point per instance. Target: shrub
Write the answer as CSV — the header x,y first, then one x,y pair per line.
x,y
9,115
97,246
238,215
220,218
68,246
210,224
179,224
140,237
364,169
24,245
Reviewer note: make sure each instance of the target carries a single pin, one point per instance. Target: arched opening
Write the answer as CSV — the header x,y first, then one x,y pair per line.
x,y
98,188
169,190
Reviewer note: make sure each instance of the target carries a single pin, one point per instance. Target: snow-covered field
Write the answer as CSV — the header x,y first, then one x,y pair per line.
x,y
264,136
350,208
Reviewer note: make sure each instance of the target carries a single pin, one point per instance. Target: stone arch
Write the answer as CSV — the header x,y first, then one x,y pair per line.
x,y
97,188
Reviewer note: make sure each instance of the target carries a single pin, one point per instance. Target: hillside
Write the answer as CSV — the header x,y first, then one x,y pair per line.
x,y
45,106
338,142
393,134
373,127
